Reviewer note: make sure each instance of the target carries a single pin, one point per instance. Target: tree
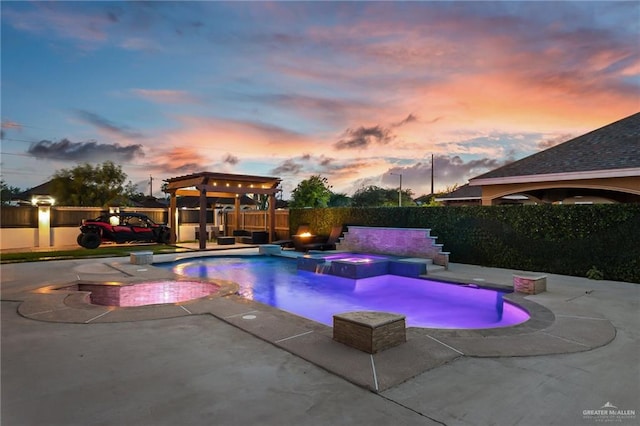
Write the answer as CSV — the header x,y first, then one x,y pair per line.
x,y
7,192
312,192
374,196
339,200
370,196
86,185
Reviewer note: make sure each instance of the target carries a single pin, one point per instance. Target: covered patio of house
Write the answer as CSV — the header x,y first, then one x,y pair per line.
x,y
602,166
208,184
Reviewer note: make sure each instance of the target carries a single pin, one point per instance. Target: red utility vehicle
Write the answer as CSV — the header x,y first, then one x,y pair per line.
x,y
122,228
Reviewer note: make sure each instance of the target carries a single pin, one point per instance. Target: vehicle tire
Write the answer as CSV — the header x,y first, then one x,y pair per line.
x,y
165,236
91,240
79,239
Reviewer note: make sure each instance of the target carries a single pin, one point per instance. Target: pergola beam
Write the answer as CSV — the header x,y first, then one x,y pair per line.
x,y
185,183
216,192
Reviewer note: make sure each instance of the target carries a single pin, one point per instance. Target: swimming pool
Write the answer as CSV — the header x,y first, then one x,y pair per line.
x,y
277,282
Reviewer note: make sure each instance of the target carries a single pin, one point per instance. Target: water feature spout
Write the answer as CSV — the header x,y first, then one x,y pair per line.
x,y
323,268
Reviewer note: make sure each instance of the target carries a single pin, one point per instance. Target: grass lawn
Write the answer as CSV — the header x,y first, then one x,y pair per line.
x,y
104,251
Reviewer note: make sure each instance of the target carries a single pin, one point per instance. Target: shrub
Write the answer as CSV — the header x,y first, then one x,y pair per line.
x,y
595,274
561,239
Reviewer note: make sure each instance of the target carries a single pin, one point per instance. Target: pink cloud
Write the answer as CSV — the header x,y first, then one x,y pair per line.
x,y
8,124
166,96
179,160
67,23
473,70
243,139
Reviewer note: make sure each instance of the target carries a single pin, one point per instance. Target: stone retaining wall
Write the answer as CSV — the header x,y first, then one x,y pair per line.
x,y
410,242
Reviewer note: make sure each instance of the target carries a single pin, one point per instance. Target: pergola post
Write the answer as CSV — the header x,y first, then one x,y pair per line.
x,y
272,217
236,217
203,218
173,217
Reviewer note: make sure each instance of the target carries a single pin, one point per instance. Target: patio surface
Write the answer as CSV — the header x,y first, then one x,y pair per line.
x,y
204,362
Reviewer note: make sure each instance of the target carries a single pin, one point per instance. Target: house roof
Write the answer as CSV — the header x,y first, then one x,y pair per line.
x,y
150,202
465,192
42,189
610,148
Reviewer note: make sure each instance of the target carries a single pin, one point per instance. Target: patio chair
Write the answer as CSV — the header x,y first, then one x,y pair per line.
x,y
329,244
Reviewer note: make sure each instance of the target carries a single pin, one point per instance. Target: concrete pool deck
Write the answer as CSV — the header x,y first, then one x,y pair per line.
x,y
437,377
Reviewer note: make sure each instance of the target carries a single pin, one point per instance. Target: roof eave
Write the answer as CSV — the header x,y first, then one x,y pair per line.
x,y
590,174
458,199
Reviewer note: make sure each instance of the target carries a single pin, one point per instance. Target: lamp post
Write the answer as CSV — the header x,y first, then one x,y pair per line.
x,y
432,175
400,190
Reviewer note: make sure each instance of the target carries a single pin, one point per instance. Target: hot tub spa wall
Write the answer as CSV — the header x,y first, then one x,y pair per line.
x,y
147,293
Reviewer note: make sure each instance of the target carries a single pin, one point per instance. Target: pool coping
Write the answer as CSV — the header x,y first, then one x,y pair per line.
x,y
554,328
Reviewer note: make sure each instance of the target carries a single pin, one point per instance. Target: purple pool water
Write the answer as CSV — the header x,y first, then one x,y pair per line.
x,y
277,282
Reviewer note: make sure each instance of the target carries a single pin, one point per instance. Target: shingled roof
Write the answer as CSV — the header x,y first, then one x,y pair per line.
x,y
465,192
612,147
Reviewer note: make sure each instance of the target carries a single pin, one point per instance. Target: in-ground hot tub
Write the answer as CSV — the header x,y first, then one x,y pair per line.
x,y
146,293
360,265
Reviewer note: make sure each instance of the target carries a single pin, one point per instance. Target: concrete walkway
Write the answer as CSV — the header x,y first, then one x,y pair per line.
x,y
208,367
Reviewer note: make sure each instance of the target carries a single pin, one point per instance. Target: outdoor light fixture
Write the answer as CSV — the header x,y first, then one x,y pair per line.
x,y
43,200
400,190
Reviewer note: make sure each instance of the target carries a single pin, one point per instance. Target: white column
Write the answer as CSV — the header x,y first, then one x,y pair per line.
x,y
44,226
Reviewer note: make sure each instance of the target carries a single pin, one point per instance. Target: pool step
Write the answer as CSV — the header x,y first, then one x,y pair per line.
x,y
431,267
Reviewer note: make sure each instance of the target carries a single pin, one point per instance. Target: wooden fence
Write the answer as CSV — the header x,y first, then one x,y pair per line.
x,y
257,220
30,227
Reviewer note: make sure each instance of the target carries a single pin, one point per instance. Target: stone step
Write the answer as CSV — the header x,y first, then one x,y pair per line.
x,y
418,260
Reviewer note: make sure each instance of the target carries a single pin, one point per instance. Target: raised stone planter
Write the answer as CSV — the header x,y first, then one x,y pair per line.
x,y
529,284
141,257
369,332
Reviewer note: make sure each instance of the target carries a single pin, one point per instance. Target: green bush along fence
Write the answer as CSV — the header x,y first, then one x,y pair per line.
x,y
560,239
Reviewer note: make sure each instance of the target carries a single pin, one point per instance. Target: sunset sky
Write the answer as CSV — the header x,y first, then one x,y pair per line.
x,y
352,91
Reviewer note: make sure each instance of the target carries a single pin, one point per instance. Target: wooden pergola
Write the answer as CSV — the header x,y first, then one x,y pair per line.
x,y
207,184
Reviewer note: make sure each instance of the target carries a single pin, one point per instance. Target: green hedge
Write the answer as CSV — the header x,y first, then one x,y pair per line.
x,y
560,239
